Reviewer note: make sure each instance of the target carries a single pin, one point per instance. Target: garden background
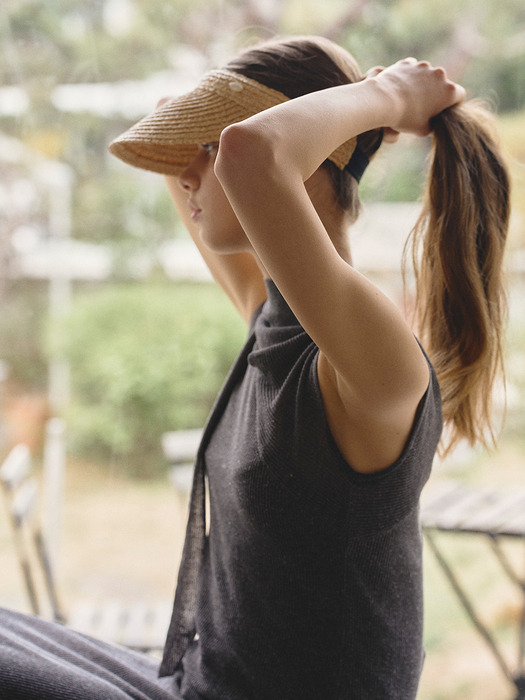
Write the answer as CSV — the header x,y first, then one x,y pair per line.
x,y
110,324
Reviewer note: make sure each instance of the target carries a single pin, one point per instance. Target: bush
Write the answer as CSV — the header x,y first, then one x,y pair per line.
x,y
22,325
145,359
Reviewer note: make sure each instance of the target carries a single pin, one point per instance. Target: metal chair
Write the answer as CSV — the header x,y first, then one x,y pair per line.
x,y
494,516
137,626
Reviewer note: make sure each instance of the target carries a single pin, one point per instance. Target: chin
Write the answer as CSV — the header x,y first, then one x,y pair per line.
x,y
225,245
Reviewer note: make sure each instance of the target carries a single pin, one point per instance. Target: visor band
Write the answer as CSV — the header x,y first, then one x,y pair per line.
x,y
359,161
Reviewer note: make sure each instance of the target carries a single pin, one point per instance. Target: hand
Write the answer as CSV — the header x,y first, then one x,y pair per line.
x,y
417,92
389,135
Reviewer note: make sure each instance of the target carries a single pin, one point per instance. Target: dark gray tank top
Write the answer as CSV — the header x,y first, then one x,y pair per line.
x,y
309,581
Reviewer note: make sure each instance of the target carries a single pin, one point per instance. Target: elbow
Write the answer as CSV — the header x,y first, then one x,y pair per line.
x,y
245,151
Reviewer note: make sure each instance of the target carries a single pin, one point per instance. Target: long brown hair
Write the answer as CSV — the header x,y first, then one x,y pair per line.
x,y
457,244
457,250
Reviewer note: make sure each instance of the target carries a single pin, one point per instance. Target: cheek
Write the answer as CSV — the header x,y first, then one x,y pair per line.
x,y
221,209
220,228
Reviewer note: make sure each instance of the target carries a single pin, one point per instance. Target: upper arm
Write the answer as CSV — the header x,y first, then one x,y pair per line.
x,y
377,367
238,274
360,330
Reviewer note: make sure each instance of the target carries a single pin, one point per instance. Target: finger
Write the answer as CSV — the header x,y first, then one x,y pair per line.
x,y
390,135
460,94
372,72
456,93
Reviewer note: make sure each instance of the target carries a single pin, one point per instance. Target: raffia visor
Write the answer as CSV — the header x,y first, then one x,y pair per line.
x,y
167,140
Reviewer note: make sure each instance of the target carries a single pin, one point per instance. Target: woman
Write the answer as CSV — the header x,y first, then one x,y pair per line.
x,y
308,583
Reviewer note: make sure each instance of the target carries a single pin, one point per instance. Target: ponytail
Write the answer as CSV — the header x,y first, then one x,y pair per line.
x,y
457,250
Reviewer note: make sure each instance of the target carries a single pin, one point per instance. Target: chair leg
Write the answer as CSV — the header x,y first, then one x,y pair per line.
x,y
30,587
58,615
471,612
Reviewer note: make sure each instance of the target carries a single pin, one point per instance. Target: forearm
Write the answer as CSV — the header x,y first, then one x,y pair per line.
x,y
302,133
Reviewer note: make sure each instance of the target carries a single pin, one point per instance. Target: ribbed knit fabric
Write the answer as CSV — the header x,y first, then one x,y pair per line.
x,y
309,582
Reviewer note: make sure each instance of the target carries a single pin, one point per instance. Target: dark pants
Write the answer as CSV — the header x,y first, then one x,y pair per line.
x,y
44,661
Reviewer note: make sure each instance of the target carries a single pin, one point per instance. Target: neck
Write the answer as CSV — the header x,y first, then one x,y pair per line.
x,y
335,220
338,236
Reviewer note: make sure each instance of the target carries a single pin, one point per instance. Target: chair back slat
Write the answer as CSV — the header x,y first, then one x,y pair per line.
x,y
15,467
21,489
24,502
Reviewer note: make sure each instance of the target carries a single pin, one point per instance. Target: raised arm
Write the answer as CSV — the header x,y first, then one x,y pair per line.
x,y
238,274
371,369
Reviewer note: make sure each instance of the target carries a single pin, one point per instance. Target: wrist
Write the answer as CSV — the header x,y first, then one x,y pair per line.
x,y
387,106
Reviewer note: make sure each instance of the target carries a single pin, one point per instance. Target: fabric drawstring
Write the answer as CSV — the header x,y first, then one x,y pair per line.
x,y
181,631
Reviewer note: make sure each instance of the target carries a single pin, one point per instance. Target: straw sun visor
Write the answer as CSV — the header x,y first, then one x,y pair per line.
x,y
167,140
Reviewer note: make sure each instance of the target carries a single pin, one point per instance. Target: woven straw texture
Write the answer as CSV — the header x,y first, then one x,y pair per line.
x,y
167,140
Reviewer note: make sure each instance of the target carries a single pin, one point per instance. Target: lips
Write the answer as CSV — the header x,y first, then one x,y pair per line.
x,y
194,210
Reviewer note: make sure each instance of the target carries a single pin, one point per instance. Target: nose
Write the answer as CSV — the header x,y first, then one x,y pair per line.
x,y
190,178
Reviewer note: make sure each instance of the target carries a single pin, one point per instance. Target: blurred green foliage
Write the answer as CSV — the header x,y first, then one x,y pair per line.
x,y
132,215
61,41
22,328
46,44
512,127
144,359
